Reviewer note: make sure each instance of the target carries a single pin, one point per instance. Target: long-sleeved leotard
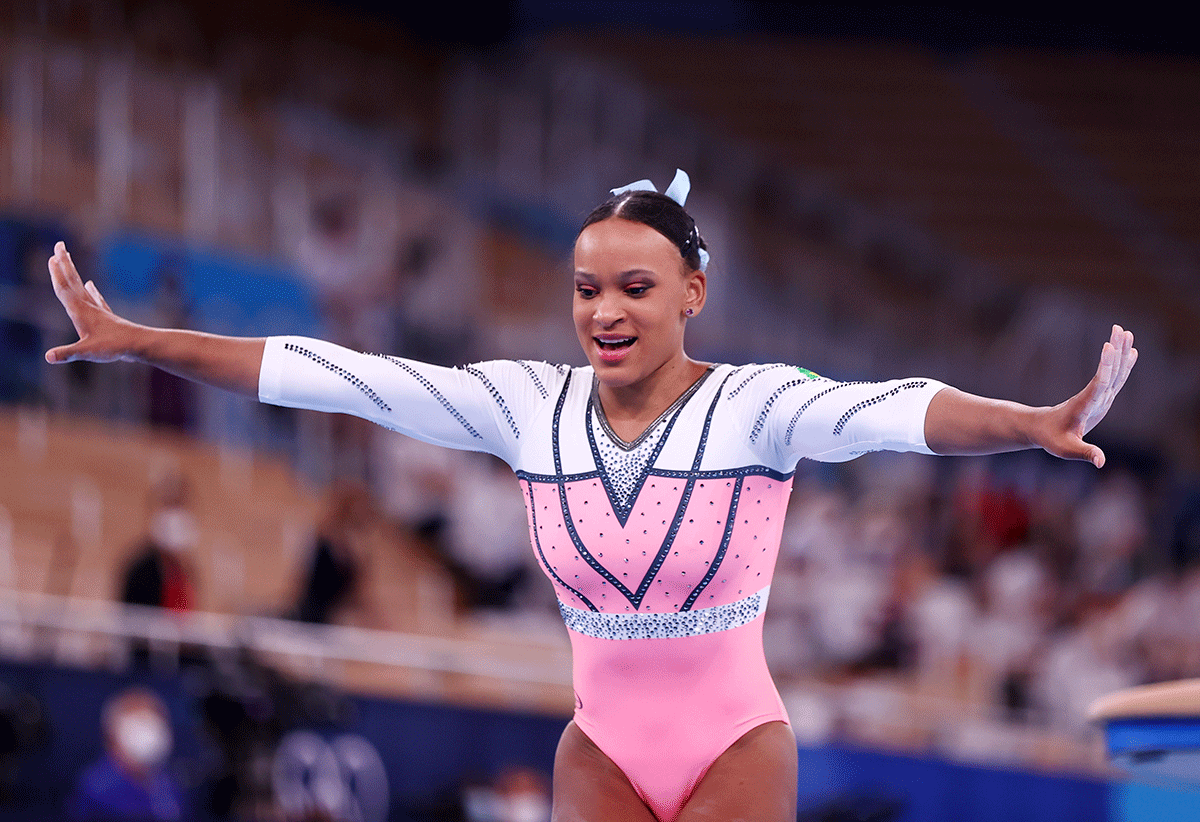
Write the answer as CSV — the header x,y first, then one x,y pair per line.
x,y
661,550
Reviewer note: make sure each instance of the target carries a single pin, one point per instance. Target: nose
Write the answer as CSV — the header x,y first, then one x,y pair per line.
x,y
608,311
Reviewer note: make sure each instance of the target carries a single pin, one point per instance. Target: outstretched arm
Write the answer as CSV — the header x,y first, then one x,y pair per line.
x,y
232,363
479,407
961,423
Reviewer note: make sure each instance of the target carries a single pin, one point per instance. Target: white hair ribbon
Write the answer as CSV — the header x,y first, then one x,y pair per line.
x,y
678,191
640,185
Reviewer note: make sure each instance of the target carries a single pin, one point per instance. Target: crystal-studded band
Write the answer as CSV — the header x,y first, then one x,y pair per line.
x,y
669,625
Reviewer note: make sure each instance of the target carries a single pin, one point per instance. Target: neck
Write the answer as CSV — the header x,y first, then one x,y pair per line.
x,y
649,397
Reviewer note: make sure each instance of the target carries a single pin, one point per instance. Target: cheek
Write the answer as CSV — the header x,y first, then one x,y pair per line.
x,y
659,322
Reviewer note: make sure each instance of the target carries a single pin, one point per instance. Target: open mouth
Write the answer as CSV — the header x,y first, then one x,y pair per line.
x,y
614,344
613,350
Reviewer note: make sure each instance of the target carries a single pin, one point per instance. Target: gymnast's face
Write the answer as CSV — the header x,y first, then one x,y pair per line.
x,y
632,292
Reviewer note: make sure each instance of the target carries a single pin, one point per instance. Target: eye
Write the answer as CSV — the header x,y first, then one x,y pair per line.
x,y
586,291
637,290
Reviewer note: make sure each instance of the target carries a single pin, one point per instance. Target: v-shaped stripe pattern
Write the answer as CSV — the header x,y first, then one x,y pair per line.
x,y
571,520
624,472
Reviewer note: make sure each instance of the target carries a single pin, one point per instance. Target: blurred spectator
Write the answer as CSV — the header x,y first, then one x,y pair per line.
x,y
1082,664
524,794
986,518
939,617
23,726
488,550
416,482
131,782
336,575
517,794
1184,495
160,573
1111,529
1007,634
1185,528
345,247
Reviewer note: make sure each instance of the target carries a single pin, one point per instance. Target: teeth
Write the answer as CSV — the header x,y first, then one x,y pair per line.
x,y
615,343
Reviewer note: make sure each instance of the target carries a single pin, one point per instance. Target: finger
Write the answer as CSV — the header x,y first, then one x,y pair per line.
x,y
63,275
1130,361
97,297
1127,356
70,264
1123,368
69,294
1099,384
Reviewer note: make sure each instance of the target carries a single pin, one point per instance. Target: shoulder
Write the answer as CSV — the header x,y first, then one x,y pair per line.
x,y
547,378
759,381
101,778
144,557
519,388
535,370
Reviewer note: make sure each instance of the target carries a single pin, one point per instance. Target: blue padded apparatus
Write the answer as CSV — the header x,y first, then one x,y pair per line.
x,y
1158,748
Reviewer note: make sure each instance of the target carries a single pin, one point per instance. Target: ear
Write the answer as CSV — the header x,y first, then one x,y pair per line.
x,y
695,290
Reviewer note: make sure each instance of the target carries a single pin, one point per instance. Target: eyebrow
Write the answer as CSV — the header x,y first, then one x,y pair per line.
x,y
623,276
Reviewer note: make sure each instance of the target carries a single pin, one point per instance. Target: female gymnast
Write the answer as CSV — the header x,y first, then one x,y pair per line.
x,y
655,486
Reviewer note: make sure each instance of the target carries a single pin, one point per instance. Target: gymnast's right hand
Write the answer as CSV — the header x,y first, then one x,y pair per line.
x,y
103,336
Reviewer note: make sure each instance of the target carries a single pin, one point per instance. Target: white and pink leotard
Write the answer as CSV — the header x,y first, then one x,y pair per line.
x,y
661,550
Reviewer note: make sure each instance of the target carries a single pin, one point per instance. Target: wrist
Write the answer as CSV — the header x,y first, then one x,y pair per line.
x,y
1036,425
141,343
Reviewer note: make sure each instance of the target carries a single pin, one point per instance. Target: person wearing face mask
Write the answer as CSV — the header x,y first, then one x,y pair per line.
x,y
335,578
524,795
655,488
517,794
131,781
160,572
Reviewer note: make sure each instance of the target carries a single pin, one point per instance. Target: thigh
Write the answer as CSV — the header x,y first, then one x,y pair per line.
x,y
753,780
589,787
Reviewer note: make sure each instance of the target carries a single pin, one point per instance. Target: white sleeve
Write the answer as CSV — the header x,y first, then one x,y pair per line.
x,y
791,413
480,407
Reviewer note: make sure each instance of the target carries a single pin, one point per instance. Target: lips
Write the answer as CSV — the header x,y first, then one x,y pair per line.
x,y
613,348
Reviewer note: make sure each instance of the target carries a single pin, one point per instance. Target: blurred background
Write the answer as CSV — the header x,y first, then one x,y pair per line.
x,y
211,609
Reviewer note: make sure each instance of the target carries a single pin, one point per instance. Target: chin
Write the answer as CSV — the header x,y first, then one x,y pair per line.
x,y
616,376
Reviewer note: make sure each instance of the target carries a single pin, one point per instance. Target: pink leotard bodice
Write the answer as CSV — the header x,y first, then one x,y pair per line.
x,y
661,550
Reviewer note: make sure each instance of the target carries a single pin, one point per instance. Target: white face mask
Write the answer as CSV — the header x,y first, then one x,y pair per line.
x,y
143,737
483,805
527,807
174,530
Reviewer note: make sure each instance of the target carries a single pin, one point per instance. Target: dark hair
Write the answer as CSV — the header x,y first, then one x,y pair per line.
x,y
661,213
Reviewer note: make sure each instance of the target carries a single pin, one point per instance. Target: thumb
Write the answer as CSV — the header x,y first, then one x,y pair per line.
x,y
62,353
1072,447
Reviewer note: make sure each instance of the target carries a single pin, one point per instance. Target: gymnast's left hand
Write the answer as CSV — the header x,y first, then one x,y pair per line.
x,y
1064,426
